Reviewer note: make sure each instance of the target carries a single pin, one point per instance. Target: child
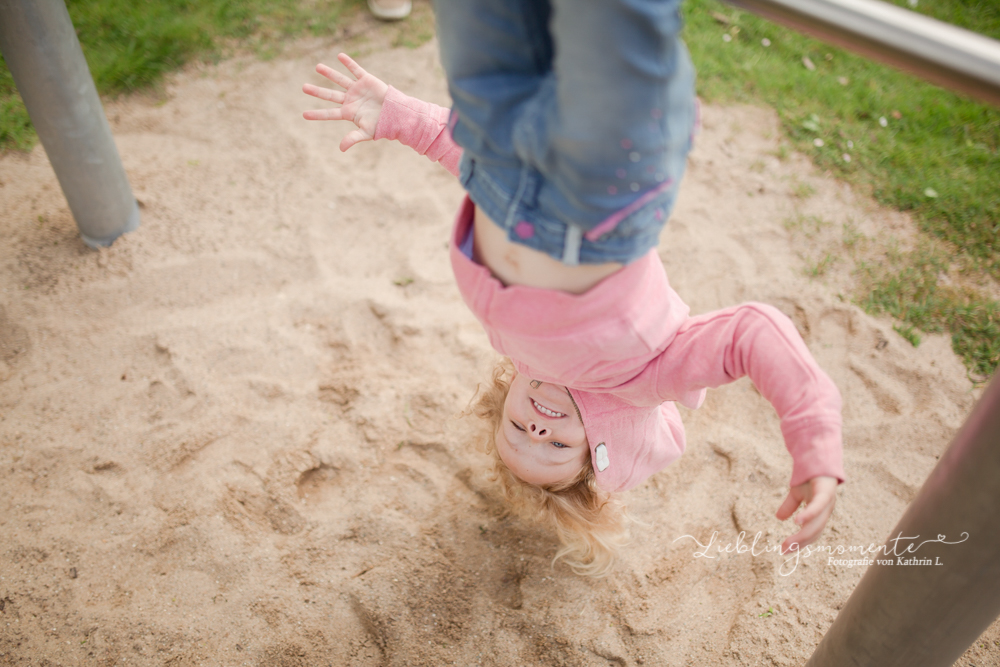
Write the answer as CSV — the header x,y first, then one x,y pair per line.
x,y
599,354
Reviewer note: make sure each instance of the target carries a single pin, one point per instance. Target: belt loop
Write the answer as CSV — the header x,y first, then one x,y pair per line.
x,y
571,245
534,182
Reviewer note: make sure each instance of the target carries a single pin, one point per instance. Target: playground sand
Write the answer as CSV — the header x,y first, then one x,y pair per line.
x,y
234,437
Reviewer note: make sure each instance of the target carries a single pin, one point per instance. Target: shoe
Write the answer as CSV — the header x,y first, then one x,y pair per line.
x,y
390,10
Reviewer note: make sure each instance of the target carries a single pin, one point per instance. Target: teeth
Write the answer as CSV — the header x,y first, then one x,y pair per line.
x,y
545,411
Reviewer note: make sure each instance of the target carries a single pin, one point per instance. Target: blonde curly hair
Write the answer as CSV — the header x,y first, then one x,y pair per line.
x,y
592,525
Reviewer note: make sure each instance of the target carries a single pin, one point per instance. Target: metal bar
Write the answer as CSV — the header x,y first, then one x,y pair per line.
x,y
40,46
963,61
922,615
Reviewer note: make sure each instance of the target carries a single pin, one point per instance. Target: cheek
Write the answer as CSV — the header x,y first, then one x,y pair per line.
x,y
519,462
510,456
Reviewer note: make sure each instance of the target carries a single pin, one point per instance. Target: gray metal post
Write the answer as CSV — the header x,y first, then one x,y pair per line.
x,y
926,614
948,56
40,46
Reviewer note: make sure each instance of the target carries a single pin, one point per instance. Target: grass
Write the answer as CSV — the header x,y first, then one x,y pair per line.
x,y
907,332
912,146
15,127
911,289
131,45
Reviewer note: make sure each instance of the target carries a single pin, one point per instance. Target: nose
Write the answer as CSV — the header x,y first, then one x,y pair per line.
x,y
538,431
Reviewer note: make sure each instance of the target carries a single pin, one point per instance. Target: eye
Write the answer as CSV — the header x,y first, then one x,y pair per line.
x,y
517,426
559,445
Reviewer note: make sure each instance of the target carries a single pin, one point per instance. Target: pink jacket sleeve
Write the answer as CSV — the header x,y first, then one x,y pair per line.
x,y
760,341
420,125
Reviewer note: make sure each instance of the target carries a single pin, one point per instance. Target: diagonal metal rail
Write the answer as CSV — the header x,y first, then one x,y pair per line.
x,y
960,60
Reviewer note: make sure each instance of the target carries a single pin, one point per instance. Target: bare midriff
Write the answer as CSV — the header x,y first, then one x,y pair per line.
x,y
515,264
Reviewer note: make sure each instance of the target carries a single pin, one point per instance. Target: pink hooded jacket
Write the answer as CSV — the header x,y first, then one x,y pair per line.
x,y
627,348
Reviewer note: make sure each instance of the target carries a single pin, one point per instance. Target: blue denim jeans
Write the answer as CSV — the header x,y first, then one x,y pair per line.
x,y
575,117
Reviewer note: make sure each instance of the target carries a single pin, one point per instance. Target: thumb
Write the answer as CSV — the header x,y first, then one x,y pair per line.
x,y
353,137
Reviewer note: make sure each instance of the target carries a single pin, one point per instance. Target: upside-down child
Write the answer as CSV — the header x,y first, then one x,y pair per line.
x,y
597,355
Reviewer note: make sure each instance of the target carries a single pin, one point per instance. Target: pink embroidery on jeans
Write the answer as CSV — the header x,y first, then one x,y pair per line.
x,y
612,221
621,173
626,144
612,190
524,229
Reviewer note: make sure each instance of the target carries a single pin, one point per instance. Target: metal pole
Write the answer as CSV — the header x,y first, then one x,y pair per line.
x,y
40,46
941,53
927,615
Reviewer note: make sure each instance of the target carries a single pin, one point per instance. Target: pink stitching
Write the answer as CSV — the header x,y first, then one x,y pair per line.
x,y
612,221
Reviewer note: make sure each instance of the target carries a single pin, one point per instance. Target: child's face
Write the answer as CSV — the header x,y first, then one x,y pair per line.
x,y
541,438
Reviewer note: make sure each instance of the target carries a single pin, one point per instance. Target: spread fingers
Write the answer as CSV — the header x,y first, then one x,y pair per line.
x,y
323,93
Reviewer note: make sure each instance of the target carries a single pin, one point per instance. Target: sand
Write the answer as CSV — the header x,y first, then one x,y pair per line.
x,y
234,437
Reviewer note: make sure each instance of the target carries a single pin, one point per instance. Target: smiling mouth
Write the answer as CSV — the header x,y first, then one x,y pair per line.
x,y
545,411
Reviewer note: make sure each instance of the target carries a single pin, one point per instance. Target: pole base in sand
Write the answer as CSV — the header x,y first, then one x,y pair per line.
x,y
131,225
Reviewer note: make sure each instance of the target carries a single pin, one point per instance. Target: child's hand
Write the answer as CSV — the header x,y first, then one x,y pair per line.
x,y
360,103
820,495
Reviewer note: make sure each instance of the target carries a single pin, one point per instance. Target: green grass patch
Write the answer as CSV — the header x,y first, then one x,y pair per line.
x,y
907,332
131,45
914,288
15,126
913,146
